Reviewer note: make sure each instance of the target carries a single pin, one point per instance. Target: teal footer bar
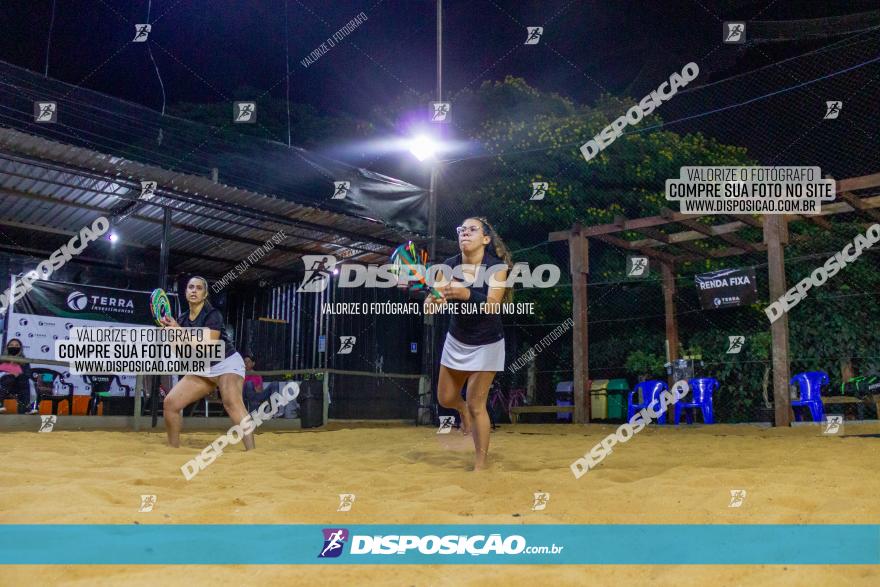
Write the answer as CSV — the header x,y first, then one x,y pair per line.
x,y
439,544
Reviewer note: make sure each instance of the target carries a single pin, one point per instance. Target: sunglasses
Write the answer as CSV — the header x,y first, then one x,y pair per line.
x,y
466,229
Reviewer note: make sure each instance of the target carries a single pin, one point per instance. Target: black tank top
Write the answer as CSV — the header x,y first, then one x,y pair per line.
x,y
476,328
209,317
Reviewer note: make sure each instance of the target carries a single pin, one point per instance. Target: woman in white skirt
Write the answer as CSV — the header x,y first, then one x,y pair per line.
x,y
474,347
228,374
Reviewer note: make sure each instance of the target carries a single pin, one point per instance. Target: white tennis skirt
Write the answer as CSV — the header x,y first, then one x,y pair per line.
x,y
231,364
472,357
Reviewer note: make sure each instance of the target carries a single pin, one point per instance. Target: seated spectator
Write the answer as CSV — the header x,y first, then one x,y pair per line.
x,y
253,392
15,380
257,380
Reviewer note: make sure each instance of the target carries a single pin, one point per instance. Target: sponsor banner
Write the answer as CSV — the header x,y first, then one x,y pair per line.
x,y
727,288
52,309
87,302
62,544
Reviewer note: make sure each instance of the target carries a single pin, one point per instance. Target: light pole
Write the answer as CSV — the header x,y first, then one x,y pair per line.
x,y
432,190
426,383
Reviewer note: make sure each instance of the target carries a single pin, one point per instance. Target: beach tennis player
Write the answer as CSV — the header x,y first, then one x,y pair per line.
x,y
228,374
474,347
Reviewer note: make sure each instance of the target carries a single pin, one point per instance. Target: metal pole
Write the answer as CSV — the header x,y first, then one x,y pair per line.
x,y
432,213
426,386
439,50
138,390
432,191
164,248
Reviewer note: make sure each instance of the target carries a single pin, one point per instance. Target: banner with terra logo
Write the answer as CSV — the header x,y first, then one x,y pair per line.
x,y
52,308
727,288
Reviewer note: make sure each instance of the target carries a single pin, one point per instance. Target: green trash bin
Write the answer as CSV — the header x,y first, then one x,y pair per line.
x,y
617,391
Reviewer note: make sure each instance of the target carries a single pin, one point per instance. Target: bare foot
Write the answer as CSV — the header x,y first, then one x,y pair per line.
x,y
465,422
481,466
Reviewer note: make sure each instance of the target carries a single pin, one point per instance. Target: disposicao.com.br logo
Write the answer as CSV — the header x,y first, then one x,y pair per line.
x,y
334,541
319,268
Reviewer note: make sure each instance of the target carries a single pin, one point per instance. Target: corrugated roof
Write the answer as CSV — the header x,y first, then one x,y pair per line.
x,y
59,177
63,188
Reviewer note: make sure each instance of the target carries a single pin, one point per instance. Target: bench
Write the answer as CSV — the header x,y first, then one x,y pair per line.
x,y
516,411
846,399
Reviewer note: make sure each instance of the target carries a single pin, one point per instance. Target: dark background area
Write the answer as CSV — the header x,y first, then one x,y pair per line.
x,y
208,51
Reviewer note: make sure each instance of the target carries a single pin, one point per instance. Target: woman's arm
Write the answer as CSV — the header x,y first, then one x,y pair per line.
x,y
458,291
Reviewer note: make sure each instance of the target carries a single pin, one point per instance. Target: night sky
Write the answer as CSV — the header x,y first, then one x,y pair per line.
x,y
205,49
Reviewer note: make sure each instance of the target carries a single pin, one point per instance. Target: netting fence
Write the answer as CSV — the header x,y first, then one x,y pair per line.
x,y
772,115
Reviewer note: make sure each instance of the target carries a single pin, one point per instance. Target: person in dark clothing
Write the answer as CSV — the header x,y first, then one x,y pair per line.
x,y
254,393
474,347
15,379
228,374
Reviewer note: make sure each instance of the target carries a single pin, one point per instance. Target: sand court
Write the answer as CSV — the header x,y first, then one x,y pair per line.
x,y
409,475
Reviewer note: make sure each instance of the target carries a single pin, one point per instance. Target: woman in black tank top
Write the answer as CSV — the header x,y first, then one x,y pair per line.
x,y
228,375
474,348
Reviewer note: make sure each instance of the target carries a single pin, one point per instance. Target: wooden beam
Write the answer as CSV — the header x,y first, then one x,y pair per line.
x,y
727,252
689,235
817,220
843,207
708,231
775,235
648,252
579,257
559,235
859,183
750,220
669,216
663,238
866,205
858,205
635,224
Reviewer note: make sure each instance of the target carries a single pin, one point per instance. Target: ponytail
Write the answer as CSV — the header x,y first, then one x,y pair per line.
x,y
500,250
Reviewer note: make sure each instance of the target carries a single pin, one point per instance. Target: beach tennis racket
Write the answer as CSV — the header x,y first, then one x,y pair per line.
x,y
160,305
407,255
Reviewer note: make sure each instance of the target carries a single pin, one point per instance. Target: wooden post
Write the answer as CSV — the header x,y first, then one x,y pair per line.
x,y
578,246
775,236
668,271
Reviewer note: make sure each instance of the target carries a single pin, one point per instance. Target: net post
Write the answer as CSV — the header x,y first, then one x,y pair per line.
x,y
138,388
326,402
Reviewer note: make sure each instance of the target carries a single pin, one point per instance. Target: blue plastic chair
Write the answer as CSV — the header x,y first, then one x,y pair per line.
x,y
810,386
702,388
651,391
